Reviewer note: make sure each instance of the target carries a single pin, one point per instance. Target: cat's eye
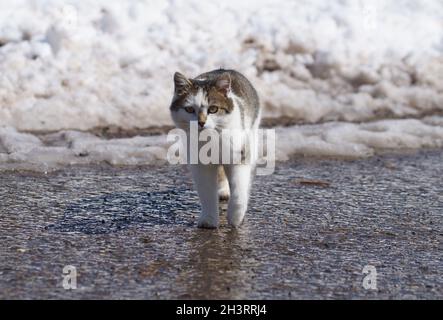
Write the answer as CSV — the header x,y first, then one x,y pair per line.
x,y
189,109
212,109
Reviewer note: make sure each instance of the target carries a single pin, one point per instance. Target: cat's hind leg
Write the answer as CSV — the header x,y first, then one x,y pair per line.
x,y
205,181
223,184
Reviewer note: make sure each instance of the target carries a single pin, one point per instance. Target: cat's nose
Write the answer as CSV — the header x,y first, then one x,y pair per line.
x,y
201,119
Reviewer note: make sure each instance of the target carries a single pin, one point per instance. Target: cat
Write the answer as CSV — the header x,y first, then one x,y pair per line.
x,y
220,100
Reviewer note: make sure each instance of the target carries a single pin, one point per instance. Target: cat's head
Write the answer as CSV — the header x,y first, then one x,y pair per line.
x,y
207,101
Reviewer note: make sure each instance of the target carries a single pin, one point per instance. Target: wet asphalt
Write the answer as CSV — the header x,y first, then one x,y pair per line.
x,y
312,227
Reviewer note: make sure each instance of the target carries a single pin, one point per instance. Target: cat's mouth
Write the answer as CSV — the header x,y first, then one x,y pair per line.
x,y
200,129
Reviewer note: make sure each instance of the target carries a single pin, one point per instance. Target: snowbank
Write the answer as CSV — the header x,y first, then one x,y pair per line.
x,y
85,64
335,139
350,140
51,151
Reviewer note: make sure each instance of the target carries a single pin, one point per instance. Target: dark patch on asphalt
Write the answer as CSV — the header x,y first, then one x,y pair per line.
x,y
116,211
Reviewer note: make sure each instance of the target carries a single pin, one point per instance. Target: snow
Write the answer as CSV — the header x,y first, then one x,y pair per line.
x,y
76,65
83,64
67,147
350,140
336,139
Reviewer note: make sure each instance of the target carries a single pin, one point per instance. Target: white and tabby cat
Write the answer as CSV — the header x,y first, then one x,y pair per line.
x,y
220,100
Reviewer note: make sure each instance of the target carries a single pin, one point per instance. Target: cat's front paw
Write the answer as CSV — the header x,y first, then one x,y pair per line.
x,y
236,214
206,222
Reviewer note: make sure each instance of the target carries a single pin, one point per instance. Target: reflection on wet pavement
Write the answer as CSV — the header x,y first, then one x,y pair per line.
x,y
311,229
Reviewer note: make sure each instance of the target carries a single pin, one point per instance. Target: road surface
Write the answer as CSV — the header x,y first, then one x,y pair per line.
x,y
311,229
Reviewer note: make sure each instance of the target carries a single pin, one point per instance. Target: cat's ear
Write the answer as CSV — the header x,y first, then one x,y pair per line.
x,y
182,84
223,83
